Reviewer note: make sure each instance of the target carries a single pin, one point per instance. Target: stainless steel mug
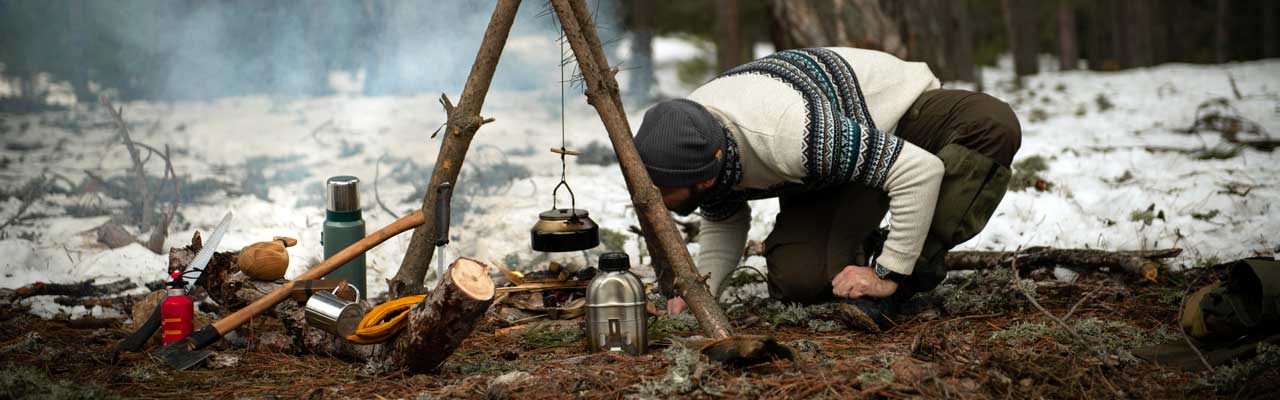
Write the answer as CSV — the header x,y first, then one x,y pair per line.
x,y
330,313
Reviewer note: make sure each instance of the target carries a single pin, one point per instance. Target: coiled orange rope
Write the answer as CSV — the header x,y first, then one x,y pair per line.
x,y
384,320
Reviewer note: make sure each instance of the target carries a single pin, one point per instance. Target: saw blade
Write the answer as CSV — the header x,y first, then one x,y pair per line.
x,y
210,246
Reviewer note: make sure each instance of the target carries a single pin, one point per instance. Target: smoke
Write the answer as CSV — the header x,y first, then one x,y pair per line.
x,y
191,49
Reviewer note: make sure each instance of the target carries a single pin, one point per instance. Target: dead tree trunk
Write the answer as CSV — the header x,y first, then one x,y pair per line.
x,y
1068,48
1020,28
728,35
642,21
462,125
1270,31
961,50
1221,35
853,23
602,93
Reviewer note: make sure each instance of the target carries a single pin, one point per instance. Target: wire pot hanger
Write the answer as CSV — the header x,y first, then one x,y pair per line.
x,y
562,151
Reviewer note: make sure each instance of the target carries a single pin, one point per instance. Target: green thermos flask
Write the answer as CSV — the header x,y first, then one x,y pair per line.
x,y
344,225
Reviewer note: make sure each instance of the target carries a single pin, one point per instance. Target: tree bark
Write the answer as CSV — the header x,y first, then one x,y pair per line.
x,y
728,35
851,23
1221,35
1020,28
463,122
602,93
1068,50
924,30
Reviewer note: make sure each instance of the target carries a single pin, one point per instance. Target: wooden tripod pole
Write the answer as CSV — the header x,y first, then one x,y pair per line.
x,y
463,122
655,219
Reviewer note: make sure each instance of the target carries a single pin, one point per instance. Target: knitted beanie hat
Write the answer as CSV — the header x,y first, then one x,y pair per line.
x,y
680,143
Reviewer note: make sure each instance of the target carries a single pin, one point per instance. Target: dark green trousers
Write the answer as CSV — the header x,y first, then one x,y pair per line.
x,y
818,233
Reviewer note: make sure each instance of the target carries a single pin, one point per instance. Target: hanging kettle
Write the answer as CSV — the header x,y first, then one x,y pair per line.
x,y
564,229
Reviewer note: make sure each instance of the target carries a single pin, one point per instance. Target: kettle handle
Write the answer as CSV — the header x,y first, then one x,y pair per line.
x,y
443,194
573,200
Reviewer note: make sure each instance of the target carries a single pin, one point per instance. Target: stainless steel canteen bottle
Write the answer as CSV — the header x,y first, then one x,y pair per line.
x,y
616,318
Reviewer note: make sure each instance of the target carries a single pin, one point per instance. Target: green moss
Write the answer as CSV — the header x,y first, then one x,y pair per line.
x,y
550,335
1147,216
1103,102
824,326
30,343
1207,215
482,366
805,345
1218,153
1228,378
666,326
682,363
1038,115
1109,338
882,376
29,383
1026,173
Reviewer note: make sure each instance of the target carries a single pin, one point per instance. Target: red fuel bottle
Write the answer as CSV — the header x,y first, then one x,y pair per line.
x,y
176,312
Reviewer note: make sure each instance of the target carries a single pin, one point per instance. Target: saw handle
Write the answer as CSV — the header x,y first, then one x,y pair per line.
x,y
444,192
233,321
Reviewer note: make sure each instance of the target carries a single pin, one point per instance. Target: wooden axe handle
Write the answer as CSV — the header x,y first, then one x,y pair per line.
x,y
265,303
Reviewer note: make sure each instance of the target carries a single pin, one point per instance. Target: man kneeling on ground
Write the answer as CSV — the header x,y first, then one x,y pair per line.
x,y
841,136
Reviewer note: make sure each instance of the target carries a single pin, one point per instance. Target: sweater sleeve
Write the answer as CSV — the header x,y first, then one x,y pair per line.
x,y
721,244
912,185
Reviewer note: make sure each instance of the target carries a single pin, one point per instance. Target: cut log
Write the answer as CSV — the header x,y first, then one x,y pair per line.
x,y
440,322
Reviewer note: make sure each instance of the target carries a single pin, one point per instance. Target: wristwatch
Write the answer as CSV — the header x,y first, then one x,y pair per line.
x,y
886,274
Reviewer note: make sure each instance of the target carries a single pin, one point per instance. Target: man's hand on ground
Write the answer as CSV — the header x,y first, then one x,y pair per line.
x,y
855,281
676,305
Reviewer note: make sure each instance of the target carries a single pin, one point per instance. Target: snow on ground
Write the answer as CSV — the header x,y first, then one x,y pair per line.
x,y
1098,162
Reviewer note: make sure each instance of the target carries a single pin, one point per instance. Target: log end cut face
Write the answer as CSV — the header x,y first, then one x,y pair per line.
x,y
472,278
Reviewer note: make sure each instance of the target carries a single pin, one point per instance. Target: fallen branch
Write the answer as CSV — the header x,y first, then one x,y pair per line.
x,y
1140,262
78,289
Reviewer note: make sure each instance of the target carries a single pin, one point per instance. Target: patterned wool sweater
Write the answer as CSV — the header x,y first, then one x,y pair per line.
x,y
808,119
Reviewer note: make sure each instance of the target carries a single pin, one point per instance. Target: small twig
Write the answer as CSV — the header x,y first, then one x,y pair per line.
x,y
315,133
140,175
35,192
376,196
161,231
1078,303
1234,89
1017,283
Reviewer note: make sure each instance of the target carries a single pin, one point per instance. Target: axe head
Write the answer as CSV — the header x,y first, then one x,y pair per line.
x,y
189,351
